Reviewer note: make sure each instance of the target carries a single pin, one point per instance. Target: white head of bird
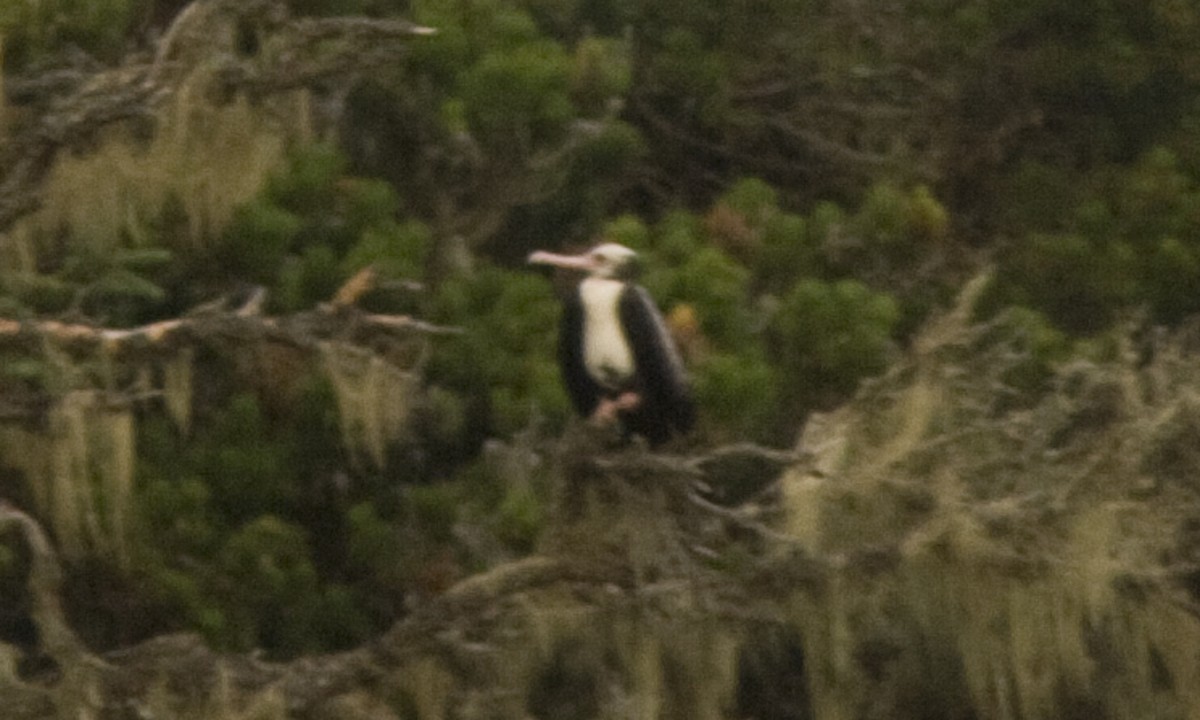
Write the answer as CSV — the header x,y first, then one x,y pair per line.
x,y
611,261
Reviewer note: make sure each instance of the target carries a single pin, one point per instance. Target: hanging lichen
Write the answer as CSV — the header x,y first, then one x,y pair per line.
x,y
79,472
3,103
202,160
71,508
206,158
91,483
177,388
374,398
1001,555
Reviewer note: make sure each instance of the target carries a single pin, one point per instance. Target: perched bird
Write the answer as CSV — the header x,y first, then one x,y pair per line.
x,y
618,360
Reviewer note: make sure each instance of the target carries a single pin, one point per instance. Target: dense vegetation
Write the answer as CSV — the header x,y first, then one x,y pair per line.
x,y
806,180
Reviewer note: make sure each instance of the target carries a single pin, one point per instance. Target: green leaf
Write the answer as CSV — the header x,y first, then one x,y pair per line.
x,y
120,282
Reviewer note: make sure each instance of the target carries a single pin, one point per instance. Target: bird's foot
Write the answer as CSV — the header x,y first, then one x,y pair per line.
x,y
605,413
607,410
628,401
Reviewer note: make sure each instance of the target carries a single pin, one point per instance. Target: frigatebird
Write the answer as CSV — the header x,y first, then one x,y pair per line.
x,y
618,359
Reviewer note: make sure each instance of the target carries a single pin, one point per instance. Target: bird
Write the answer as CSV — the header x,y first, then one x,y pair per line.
x,y
618,361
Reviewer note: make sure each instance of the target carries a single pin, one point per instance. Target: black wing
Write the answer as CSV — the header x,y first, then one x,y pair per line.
x,y
667,405
585,393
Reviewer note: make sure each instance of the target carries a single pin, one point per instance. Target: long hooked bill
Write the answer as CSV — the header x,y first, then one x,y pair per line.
x,y
571,262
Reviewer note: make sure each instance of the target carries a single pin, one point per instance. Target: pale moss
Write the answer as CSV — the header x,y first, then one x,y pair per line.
x,y
3,102
374,398
203,158
1027,581
430,685
80,473
177,388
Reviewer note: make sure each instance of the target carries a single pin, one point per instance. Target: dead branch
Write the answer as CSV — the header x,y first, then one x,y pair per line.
x,y
188,672
471,623
70,106
304,330
45,587
192,669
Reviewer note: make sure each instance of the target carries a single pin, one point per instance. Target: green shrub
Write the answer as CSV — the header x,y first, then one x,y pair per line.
x,y
504,362
752,198
515,99
1042,346
308,184
828,336
787,254
273,591
628,230
1079,284
715,285
601,73
35,29
739,394
1171,283
256,242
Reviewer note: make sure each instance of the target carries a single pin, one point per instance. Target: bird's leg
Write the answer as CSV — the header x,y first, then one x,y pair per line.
x,y
627,401
607,409
605,412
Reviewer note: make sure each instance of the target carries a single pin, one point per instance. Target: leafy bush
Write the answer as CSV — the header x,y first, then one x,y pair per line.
x,y
1126,239
828,336
519,96
738,394
504,361
34,29
314,227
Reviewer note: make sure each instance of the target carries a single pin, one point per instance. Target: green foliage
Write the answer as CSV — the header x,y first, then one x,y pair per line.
x,y
628,230
787,253
371,541
610,152
309,277
739,395
504,361
34,29
223,539
753,198
1126,238
1043,344
1172,285
1059,138
308,185
677,236
520,95
693,78
259,238
314,227
396,250
273,585
1079,284
601,73
828,336
521,516
34,293
434,508
715,285
117,287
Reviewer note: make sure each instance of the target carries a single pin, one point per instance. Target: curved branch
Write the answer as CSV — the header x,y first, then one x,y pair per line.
x,y
45,588
78,102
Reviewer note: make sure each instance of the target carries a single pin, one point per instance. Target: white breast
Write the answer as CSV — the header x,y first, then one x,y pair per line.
x,y
606,352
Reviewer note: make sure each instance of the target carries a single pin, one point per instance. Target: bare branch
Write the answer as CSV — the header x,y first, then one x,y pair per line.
x,y
78,102
45,588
